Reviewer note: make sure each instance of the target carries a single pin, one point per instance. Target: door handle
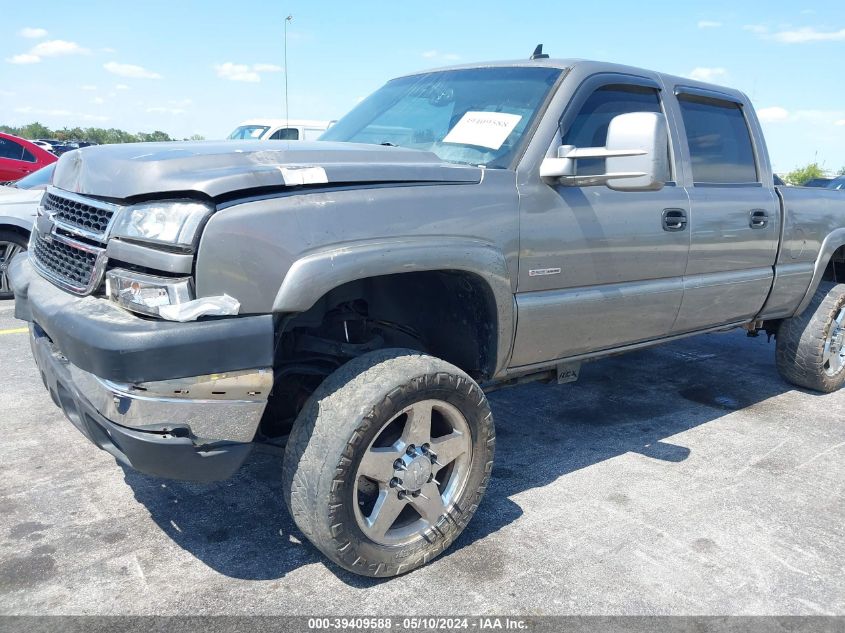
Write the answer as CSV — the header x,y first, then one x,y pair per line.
x,y
759,219
674,219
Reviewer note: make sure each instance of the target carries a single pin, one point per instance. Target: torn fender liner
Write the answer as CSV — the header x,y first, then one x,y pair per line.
x,y
109,342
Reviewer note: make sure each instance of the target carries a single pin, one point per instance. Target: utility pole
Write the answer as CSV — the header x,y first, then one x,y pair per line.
x,y
287,113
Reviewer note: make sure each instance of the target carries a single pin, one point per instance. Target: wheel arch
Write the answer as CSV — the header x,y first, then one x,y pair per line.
x,y
830,265
479,264
16,225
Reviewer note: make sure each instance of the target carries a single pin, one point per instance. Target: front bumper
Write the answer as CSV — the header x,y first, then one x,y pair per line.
x,y
192,418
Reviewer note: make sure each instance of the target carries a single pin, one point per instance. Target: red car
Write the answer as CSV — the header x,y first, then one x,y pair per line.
x,y
19,157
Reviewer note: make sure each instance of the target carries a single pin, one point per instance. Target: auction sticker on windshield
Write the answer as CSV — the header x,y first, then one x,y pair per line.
x,y
485,129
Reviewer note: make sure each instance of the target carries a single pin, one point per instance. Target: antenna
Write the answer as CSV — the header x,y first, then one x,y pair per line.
x,y
538,53
287,113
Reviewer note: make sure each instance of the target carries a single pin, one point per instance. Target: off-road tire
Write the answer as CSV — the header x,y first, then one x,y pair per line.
x,y
801,341
335,428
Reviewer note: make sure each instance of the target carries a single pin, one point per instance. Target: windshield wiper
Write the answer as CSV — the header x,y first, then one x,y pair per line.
x,y
389,144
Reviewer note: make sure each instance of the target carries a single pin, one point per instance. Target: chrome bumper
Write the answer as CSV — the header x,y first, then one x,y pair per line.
x,y
209,410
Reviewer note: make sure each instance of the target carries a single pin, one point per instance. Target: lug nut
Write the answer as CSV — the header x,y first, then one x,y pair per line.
x,y
411,449
395,482
399,465
402,494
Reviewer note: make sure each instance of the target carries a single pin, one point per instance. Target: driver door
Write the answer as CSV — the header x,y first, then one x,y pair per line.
x,y
598,268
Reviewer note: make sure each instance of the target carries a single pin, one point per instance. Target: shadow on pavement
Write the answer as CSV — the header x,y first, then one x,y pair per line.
x,y
629,403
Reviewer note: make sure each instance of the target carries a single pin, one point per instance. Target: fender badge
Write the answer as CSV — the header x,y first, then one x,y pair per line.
x,y
539,272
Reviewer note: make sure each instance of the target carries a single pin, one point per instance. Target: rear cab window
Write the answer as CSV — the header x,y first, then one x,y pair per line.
x,y
719,140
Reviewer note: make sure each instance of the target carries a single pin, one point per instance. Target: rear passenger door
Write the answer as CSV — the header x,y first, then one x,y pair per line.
x,y
734,212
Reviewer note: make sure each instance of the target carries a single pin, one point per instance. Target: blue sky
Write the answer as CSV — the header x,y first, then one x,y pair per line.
x,y
189,67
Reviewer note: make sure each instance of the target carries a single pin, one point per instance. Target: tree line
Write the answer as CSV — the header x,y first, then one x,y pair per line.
x,y
800,175
92,134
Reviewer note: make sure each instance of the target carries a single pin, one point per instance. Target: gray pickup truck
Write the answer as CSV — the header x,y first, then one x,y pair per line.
x,y
355,297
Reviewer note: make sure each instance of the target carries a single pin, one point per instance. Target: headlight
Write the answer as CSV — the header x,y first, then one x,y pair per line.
x,y
146,294
168,222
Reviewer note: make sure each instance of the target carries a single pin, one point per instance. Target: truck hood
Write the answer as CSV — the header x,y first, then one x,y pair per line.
x,y
217,168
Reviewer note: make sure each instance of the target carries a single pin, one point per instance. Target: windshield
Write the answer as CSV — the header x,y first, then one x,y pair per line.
x,y
248,132
37,179
476,116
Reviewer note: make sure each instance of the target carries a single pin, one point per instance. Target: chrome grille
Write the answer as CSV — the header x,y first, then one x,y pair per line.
x,y
76,213
71,265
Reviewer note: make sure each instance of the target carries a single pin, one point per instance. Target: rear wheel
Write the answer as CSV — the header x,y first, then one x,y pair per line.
x,y
811,346
388,461
11,244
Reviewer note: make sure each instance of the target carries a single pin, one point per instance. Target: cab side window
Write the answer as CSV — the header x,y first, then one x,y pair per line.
x,y
285,134
719,141
589,128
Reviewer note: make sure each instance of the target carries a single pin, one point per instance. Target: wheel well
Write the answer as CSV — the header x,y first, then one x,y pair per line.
x,y
835,270
449,314
11,228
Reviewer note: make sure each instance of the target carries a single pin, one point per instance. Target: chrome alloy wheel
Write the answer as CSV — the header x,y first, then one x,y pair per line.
x,y
834,345
412,472
7,251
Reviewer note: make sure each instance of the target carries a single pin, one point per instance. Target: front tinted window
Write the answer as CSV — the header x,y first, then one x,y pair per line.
x,y
10,149
248,132
477,116
719,141
285,134
589,128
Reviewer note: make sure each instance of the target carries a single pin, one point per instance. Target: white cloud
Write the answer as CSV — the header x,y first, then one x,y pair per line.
x,y
808,34
267,68
23,58
707,74
57,48
245,72
839,122
162,110
98,100
237,72
32,33
130,70
708,24
50,48
435,54
121,87
88,87
772,114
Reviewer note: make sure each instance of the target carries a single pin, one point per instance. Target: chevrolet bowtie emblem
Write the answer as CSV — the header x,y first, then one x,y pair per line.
x,y
45,225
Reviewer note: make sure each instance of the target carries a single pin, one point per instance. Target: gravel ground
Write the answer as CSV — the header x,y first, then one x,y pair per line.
x,y
686,479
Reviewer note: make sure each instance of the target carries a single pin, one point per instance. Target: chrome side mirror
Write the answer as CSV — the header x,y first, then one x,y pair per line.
x,y
636,156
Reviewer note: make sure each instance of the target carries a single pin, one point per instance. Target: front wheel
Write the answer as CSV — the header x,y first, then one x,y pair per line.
x,y
811,347
387,462
10,245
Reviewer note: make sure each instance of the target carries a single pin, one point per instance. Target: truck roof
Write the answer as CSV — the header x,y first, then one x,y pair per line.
x,y
592,66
